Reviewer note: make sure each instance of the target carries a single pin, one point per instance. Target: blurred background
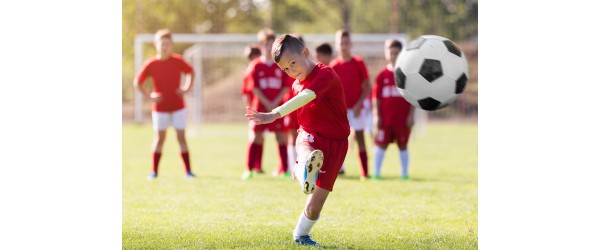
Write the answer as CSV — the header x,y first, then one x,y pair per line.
x,y
212,35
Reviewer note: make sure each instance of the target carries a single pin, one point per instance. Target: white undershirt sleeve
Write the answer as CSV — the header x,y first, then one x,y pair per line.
x,y
301,99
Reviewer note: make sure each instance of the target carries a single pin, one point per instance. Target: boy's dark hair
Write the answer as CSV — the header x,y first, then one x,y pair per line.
x,y
285,43
342,33
252,51
265,35
393,43
324,49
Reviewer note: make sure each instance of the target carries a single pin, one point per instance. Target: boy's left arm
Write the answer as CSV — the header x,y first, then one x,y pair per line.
x,y
410,120
187,86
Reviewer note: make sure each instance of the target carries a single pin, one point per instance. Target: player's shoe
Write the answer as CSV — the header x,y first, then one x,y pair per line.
x,y
191,175
152,176
405,177
314,162
364,178
376,177
306,240
247,175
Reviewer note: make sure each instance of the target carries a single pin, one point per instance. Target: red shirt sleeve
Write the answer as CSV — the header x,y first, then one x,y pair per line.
x,y
185,67
144,72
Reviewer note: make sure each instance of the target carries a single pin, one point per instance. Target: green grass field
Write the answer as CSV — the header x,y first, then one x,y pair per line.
x,y
435,209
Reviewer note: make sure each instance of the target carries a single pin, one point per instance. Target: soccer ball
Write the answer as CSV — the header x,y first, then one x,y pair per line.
x,y
431,72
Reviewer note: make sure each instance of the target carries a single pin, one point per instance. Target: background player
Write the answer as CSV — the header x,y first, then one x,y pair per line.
x,y
323,137
168,107
394,115
353,72
269,85
324,53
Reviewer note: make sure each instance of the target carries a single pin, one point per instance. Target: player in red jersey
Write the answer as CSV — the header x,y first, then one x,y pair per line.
x,y
251,52
395,116
322,140
355,78
269,85
168,107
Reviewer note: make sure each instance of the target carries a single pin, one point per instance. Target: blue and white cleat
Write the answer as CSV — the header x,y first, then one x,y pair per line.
x,y
313,164
307,241
190,175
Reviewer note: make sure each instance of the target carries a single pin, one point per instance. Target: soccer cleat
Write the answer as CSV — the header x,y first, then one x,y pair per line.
x,y
247,175
152,176
405,177
376,177
191,175
313,164
306,240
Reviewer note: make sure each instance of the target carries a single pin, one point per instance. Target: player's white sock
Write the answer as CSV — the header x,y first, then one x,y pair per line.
x,y
379,155
304,226
404,161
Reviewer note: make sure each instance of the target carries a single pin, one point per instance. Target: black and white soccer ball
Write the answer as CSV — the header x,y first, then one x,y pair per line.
x,y
431,72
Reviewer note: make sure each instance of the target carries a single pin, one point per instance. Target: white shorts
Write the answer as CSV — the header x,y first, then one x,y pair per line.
x,y
162,120
357,123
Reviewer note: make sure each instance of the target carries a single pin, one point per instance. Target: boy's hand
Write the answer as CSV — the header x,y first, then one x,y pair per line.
x,y
155,97
356,110
410,121
180,92
261,118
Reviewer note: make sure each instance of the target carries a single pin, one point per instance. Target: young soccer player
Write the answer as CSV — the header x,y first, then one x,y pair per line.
x,y
168,107
394,115
324,53
269,85
353,72
323,136
251,52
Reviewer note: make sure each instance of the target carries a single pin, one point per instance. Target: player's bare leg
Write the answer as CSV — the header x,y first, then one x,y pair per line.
x,y
309,216
362,152
185,156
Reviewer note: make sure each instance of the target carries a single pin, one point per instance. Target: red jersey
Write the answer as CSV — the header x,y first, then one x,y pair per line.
x,y
269,79
352,73
326,115
246,84
166,76
394,109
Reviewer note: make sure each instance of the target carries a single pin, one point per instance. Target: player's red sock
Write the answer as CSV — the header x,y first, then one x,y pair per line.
x,y
283,157
155,160
363,162
186,161
251,159
259,154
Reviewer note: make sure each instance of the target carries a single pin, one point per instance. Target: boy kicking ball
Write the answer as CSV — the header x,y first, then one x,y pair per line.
x,y
322,140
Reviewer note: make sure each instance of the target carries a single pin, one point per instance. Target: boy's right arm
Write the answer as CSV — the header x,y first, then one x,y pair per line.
x,y
154,97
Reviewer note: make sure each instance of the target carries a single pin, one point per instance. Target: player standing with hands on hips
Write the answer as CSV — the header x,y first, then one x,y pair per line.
x,y
322,141
168,106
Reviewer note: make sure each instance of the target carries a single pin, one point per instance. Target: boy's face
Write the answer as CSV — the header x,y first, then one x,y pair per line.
x,y
391,54
296,65
343,45
323,58
268,45
164,46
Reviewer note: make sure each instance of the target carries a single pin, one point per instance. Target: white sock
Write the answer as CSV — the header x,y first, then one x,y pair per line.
x,y
404,161
379,155
291,150
304,226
